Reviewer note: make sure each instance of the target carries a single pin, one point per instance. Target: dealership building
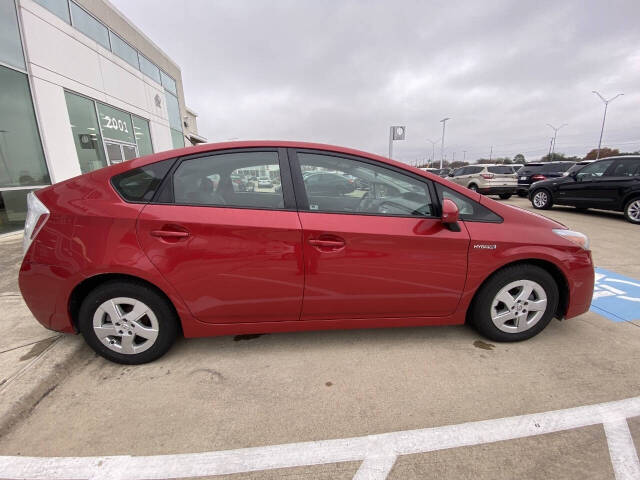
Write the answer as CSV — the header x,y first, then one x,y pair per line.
x,y
80,88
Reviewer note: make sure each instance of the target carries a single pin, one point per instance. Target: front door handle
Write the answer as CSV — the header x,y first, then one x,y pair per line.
x,y
327,243
170,234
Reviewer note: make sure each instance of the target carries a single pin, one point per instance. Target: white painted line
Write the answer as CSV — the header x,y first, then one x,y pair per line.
x,y
377,452
624,457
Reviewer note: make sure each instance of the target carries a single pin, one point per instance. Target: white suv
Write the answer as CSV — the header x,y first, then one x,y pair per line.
x,y
487,179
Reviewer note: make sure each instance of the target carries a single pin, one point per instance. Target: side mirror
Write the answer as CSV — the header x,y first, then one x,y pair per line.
x,y
450,213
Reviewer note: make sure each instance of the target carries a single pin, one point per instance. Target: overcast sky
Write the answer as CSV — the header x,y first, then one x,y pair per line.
x,y
341,72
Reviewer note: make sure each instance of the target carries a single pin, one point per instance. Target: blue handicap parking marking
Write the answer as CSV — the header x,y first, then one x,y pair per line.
x,y
616,297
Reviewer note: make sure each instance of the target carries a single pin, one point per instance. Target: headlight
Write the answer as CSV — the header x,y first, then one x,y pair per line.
x,y
578,238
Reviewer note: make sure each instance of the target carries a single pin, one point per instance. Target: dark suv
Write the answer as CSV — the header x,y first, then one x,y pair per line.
x,y
609,184
534,172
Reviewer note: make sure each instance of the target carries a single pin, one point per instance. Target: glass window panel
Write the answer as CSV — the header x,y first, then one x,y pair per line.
x,y
143,135
115,124
129,152
21,157
10,44
343,185
248,179
86,132
168,82
60,8
177,138
149,68
13,210
88,25
114,154
140,184
124,50
173,109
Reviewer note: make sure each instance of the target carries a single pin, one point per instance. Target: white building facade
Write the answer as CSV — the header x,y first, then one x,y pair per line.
x,y
80,88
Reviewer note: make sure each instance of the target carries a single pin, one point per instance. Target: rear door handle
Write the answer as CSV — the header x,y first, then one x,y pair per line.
x,y
324,244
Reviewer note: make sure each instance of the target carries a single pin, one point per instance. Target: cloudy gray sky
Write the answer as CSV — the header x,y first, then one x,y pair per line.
x,y
341,72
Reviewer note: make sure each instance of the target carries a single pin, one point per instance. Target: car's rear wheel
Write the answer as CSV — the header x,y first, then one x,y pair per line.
x,y
505,196
127,322
473,187
632,210
515,304
541,199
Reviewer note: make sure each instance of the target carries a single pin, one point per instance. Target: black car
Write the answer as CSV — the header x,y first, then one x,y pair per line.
x,y
534,172
608,184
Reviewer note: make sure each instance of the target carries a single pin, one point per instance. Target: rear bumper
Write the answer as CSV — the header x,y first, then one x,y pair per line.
x,y
497,190
45,289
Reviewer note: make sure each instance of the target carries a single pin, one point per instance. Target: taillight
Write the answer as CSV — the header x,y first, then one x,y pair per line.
x,y
537,178
486,176
37,215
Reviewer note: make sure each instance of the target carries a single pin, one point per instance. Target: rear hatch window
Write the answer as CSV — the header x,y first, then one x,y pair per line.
x,y
500,169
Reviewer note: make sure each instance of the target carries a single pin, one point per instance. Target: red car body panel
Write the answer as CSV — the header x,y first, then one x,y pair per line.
x,y
389,267
254,271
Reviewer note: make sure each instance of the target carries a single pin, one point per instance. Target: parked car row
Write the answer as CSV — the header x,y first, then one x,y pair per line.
x,y
611,183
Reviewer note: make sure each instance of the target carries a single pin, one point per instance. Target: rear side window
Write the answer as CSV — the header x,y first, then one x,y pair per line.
x,y
470,210
557,167
500,169
140,184
626,168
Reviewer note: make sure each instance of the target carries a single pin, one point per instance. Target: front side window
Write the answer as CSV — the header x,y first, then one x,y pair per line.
x,y
343,185
473,170
468,209
243,179
594,170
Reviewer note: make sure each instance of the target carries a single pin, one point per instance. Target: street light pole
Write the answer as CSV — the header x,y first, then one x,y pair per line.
x,y
491,154
444,122
464,155
604,117
553,142
433,150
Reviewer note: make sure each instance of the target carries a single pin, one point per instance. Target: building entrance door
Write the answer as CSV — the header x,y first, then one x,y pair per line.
x,y
119,152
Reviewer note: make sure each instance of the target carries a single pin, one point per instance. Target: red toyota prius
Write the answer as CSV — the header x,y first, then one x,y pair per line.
x,y
257,237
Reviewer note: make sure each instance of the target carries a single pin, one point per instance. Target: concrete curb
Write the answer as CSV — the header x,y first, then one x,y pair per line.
x,y
27,389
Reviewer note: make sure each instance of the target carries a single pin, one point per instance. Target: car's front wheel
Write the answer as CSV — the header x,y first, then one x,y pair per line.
x,y
632,210
127,322
515,304
541,199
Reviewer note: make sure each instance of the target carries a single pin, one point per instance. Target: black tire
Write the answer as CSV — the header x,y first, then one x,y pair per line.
x,y
541,199
162,310
505,196
522,193
473,187
632,211
482,303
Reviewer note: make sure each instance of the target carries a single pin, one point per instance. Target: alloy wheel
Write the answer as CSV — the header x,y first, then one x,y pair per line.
x,y
518,306
633,210
125,325
540,199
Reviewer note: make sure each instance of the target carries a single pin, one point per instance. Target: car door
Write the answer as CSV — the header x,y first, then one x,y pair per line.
x,y
459,176
386,255
620,179
585,189
233,256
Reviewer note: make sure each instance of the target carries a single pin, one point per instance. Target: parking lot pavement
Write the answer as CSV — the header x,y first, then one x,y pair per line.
x,y
226,393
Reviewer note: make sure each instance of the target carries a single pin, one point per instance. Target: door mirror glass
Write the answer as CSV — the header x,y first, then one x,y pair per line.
x,y
450,213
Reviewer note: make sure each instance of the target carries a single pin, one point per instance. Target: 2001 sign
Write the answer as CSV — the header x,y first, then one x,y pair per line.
x,y
115,124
